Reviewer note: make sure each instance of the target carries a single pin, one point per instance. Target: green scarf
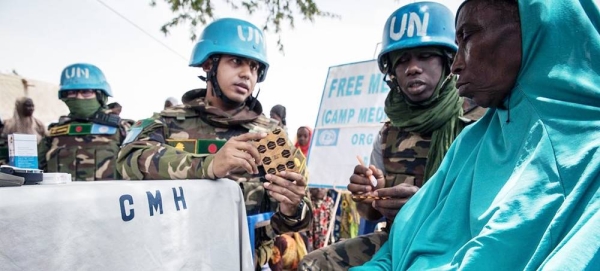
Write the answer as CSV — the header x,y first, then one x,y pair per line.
x,y
83,108
439,115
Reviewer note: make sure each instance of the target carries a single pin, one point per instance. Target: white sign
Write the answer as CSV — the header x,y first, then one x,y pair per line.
x,y
125,225
350,116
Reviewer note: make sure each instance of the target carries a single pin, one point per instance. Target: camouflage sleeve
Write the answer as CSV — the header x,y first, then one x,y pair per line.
x,y
145,155
43,148
124,127
282,224
377,154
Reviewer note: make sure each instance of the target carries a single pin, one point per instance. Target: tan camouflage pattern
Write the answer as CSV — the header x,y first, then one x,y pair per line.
x,y
345,254
150,157
404,155
86,157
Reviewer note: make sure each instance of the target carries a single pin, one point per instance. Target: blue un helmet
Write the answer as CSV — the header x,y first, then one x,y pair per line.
x,y
417,25
232,37
83,76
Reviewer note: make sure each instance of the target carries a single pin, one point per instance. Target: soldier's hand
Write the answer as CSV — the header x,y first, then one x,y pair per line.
x,y
237,153
288,188
398,194
361,184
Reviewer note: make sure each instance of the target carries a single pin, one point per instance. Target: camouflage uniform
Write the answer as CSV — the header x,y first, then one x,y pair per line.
x,y
86,150
402,157
179,143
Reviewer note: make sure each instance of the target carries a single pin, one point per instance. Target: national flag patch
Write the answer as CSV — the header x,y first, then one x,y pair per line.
x,y
209,146
99,129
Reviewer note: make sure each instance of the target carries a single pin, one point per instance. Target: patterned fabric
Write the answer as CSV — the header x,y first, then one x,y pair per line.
x,y
288,250
347,217
321,217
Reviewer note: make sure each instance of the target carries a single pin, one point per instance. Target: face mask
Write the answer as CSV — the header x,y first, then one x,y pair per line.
x,y
82,108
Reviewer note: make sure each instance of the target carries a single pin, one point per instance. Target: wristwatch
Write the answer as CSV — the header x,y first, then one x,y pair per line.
x,y
299,212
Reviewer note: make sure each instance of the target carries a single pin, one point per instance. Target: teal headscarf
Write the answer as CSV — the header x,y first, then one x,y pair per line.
x,y
524,194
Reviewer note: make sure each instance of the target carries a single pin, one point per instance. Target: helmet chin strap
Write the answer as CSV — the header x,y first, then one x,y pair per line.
x,y
211,76
216,89
102,99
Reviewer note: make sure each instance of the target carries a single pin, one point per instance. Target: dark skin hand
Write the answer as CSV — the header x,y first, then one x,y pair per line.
x,y
399,195
288,188
374,209
360,184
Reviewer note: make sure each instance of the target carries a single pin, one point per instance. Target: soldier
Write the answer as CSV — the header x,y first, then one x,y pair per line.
x,y
86,142
426,115
207,137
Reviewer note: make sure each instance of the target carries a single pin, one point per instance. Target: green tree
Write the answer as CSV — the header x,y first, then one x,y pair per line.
x,y
280,12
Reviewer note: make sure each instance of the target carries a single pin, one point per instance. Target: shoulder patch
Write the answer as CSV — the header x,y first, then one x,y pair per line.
x,y
209,146
143,123
99,129
132,134
80,129
59,130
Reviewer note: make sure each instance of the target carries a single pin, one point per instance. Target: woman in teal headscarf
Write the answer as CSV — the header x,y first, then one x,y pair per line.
x,y
520,189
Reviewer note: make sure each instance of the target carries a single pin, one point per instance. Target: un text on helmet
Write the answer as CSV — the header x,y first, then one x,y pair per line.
x,y
410,23
77,72
253,34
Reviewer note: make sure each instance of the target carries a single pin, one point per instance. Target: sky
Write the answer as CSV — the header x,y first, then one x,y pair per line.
x,y
40,37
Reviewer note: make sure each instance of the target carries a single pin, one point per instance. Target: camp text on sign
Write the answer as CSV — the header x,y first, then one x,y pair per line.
x,y
76,71
252,34
409,23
